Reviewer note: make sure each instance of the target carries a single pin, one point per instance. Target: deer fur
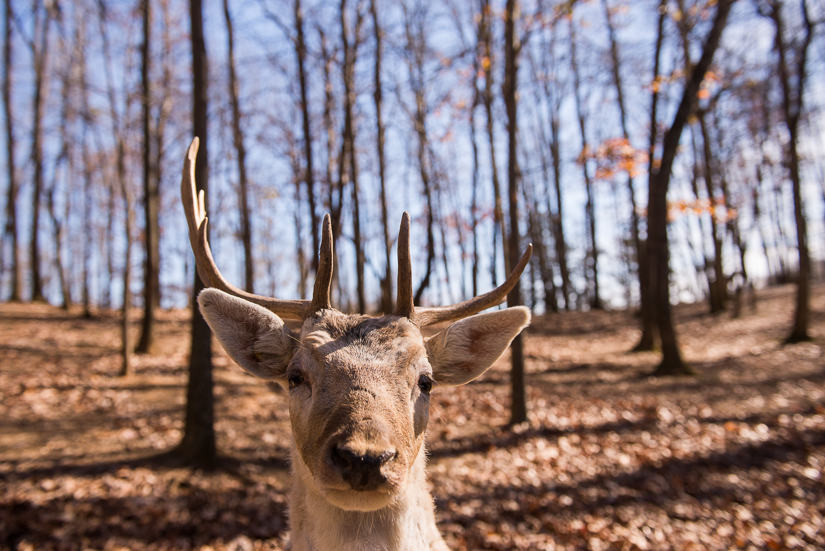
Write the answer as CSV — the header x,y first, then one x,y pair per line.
x,y
359,397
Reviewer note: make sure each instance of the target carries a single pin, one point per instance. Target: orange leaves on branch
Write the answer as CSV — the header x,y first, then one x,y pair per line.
x,y
718,209
615,155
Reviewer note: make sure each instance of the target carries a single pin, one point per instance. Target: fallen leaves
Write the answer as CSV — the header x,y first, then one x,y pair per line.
x,y
612,458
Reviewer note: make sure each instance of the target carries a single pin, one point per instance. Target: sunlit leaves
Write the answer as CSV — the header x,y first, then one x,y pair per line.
x,y
614,156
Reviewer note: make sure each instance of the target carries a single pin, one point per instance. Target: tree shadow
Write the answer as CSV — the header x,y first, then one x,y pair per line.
x,y
666,484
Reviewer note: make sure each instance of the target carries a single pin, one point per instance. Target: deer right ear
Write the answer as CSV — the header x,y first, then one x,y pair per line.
x,y
252,336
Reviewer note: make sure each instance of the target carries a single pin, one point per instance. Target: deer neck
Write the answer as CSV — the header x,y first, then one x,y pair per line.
x,y
317,525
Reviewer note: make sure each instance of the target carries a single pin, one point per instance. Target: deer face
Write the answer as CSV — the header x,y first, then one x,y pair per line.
x,y
359,387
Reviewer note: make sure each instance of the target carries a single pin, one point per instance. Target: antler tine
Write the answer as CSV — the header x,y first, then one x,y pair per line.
x,y
323,278
429,316
404,303
207,269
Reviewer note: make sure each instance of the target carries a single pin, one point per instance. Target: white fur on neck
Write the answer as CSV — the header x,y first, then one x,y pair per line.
x,y
407,525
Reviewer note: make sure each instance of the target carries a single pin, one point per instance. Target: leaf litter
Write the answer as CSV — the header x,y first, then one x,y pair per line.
x,y
612,459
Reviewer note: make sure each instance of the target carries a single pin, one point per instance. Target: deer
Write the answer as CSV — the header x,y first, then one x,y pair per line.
x,y
358,388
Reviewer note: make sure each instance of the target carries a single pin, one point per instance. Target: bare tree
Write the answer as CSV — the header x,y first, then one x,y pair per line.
x,y
484,36
415,51
198,443
792,78
512,47
10,230
151,196
647,295
39,45
378,96
672,363
348,172
309,177
592,262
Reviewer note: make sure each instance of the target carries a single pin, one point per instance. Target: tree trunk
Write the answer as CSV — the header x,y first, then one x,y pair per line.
x,y
592,262
485,37
617,82
658,250
10,229
125,334
518,406
198,443
348,148
647,295
719,292
151,198
386,281
792,105
309,177
40,58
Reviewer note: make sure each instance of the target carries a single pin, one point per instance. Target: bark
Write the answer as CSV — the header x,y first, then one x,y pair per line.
x,y
592,262
151,197
518,406
10,230
198,443
647,295
386,281
240,151
718,283
40,53
792,105
309,177
672,363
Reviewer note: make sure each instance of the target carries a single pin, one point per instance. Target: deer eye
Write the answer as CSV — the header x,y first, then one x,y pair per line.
x,y
294,379
425,383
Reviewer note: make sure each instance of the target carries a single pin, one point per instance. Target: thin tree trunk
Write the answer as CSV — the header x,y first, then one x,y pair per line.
x,y
151,198
617,82
333,185
386,281
40,57
198,443
10,229
719,284
309,177
125,333
518,406
792,104
485,37
592,263
240,150
415,63
672,363
348,149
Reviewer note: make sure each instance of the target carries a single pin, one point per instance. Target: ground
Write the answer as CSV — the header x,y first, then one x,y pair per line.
x,y
612,458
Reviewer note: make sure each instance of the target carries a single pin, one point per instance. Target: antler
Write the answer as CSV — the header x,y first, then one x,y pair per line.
x,y
208,270
430,316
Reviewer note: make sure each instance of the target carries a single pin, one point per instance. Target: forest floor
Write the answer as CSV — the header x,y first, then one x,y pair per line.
x,y
612,458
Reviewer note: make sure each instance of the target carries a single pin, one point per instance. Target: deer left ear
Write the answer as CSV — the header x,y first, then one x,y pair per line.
x,y
467,348
253,336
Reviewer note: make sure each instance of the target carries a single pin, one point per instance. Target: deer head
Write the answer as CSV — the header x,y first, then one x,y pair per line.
x,y
359,387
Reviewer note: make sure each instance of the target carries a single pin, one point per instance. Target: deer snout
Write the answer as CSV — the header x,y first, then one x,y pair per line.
x,y
361,469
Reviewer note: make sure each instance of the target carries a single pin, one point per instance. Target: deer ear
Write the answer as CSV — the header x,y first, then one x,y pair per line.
x,y
467,348
252,336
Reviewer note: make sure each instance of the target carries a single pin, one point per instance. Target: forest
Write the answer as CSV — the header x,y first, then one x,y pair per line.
x,y
663,159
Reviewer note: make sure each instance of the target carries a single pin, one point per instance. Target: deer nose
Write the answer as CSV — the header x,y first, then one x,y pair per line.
x,y
361,471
